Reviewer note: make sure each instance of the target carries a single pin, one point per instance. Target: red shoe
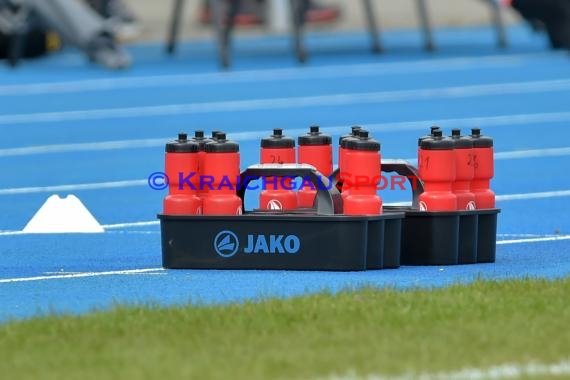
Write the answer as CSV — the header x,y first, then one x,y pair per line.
x,y
321,13
242,19
249,14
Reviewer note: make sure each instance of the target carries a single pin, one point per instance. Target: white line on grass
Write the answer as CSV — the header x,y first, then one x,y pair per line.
x,y
333,100
488,121
505,371
80,275
271,75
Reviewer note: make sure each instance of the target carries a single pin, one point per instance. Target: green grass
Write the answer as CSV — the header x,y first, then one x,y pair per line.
x,y
363,332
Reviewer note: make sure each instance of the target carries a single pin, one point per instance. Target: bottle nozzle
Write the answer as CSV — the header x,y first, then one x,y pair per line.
x,y
355,130
182,137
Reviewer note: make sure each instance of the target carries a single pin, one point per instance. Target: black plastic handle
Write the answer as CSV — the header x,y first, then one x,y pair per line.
x,y
328,200
404,168
400,167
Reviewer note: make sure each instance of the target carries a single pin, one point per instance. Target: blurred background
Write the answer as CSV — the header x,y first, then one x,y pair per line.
x,y
393,14
32,28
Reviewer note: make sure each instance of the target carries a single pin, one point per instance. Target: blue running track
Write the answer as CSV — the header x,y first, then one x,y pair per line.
x,y
71,128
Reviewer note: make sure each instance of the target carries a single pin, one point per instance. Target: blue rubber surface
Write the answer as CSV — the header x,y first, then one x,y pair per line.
x,y
65,123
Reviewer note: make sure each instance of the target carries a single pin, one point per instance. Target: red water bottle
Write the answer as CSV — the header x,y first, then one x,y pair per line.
x,y
464,171
341,148
342,153
484,170
181,167
362,161
221,166
432,130
278,192
437,171
201,140
315,148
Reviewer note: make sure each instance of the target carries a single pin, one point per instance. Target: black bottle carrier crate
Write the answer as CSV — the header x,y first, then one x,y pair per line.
x,y
322,238
442,238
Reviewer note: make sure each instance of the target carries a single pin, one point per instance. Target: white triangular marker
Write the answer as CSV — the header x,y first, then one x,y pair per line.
x,y
63,215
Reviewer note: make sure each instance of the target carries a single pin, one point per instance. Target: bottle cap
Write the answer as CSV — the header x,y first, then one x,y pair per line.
x,y
437,142
315,137
277,140
480,141
460,142
222,145
363,142
182,145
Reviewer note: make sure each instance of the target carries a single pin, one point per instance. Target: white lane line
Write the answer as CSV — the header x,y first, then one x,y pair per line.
x,y
83,147
272,75
512,197
524,235
334,100
505,371
129,225
80,275
11,233
76,187
527,196
154,270
144,182
488,122
533,153
130,232
534,240
516,154
110,227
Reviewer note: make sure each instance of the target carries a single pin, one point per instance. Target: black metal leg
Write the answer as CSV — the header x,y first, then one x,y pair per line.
x,y
372,26
218,17
232,13
174,26
499,24
426,25
17,42
224,23
17,24
298,11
